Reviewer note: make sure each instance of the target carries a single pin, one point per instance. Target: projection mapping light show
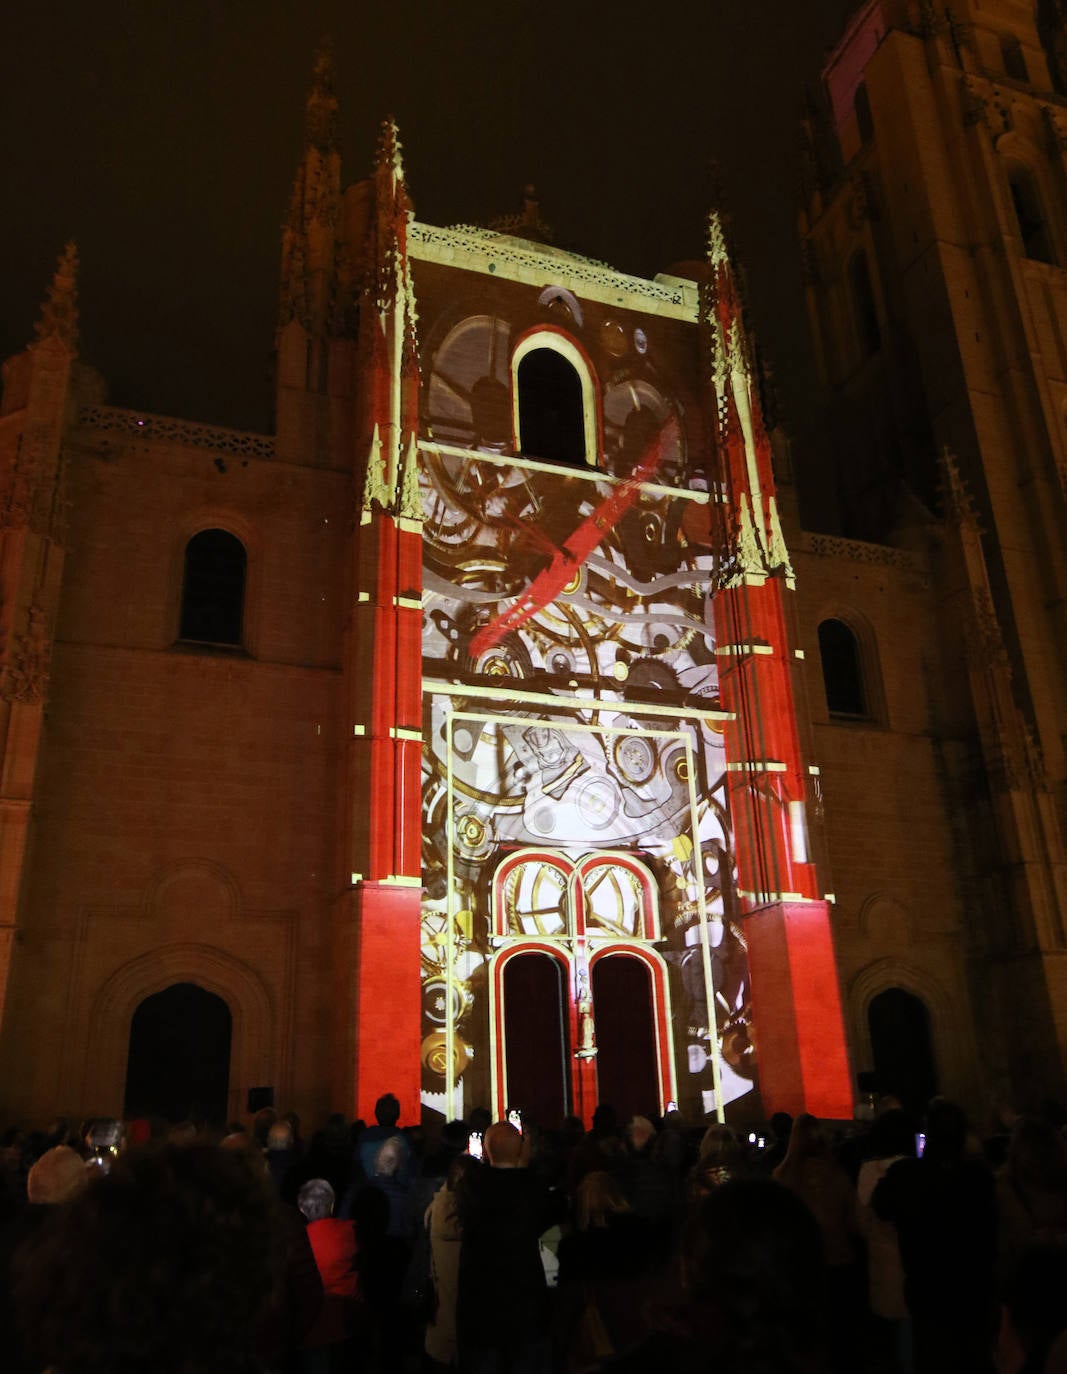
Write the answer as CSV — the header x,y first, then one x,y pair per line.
x,y
581,935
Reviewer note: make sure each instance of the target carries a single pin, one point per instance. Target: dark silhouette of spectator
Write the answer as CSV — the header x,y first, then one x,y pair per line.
x,y
1031,1193
162,1264
607,1266
944,1208
263,1120
385,1176
810,1170
719,1160
892,1138
781,1124
1033,1338
382,1264
56,1178
752,1289
502,1308
443,1224
296,1298
282,1159
387,1116
600,1148
646,1181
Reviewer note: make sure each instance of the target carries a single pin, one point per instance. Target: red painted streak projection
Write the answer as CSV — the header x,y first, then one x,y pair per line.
x,y
550,582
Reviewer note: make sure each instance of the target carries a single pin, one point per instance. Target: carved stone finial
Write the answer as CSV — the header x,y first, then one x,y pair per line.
x,y
374,485
320,122
717,252
409,504
59,313
390,150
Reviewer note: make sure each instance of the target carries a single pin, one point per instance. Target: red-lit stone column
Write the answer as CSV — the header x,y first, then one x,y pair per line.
x,y
384,811
803,1056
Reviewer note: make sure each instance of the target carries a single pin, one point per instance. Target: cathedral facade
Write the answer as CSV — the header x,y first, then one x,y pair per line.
x,y
493,732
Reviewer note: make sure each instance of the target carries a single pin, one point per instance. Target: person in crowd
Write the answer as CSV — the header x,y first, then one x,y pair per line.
x,y
607,1267
502,1306
1031,1193
296,1299
781,1124
645,1180
600,1148
1033,1334
944,1208
282,1158
810,1170
386,1177
263,1120
164,1263
333,1244
751,1290
443,1224
387,1127
892,1138
720,1159
57,1177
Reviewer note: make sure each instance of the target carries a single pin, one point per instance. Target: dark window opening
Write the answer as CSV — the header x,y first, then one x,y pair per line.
x,y
179,1057
868,330
213,589
1033,230
864,121
841,672
902,1048
551,408
1011,52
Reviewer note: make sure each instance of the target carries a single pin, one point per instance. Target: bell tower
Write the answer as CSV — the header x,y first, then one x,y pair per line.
x,y
935,235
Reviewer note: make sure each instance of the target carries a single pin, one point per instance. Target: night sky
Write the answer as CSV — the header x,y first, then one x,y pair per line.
x,y
164,138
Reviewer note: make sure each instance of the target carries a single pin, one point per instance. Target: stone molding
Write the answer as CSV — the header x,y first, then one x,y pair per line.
x,y
165,428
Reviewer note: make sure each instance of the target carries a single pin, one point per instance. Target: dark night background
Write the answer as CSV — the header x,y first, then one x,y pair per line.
x,y
164,139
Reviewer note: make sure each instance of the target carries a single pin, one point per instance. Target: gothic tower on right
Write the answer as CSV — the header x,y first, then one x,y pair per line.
x,y
934,228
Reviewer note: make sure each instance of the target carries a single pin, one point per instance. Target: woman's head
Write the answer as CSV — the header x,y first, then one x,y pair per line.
x,y
598,1198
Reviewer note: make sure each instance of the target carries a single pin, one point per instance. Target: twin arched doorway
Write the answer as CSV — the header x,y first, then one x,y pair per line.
x,y
179,1056
539,1040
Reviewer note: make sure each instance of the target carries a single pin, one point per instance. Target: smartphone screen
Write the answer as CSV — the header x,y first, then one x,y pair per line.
x,y
515,1117
474,1144
920,1144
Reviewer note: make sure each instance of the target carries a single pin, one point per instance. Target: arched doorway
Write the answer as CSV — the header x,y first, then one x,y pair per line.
x,y
902,1047
179,1056
626,1062
535,1034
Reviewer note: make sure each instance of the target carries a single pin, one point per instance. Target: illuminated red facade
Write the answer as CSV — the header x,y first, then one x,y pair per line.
x,y
498,795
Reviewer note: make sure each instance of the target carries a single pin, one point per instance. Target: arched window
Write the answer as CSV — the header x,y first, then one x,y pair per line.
x,y
1011,52
213,588
551,407
842,674
868,330
901,1047
1029,214
864,121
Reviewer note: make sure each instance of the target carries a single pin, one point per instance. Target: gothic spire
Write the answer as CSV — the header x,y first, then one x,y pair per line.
x,y
320,120
59,312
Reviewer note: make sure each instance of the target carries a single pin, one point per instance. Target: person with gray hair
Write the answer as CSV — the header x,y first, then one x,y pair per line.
x,y
316,1199
334,1245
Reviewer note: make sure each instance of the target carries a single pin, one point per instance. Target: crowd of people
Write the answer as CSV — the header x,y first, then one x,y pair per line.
x,y
885,1247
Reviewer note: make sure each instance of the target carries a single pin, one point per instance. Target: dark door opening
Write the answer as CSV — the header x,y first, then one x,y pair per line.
x,y
902,1048
626,1062
179,1061
535,1039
